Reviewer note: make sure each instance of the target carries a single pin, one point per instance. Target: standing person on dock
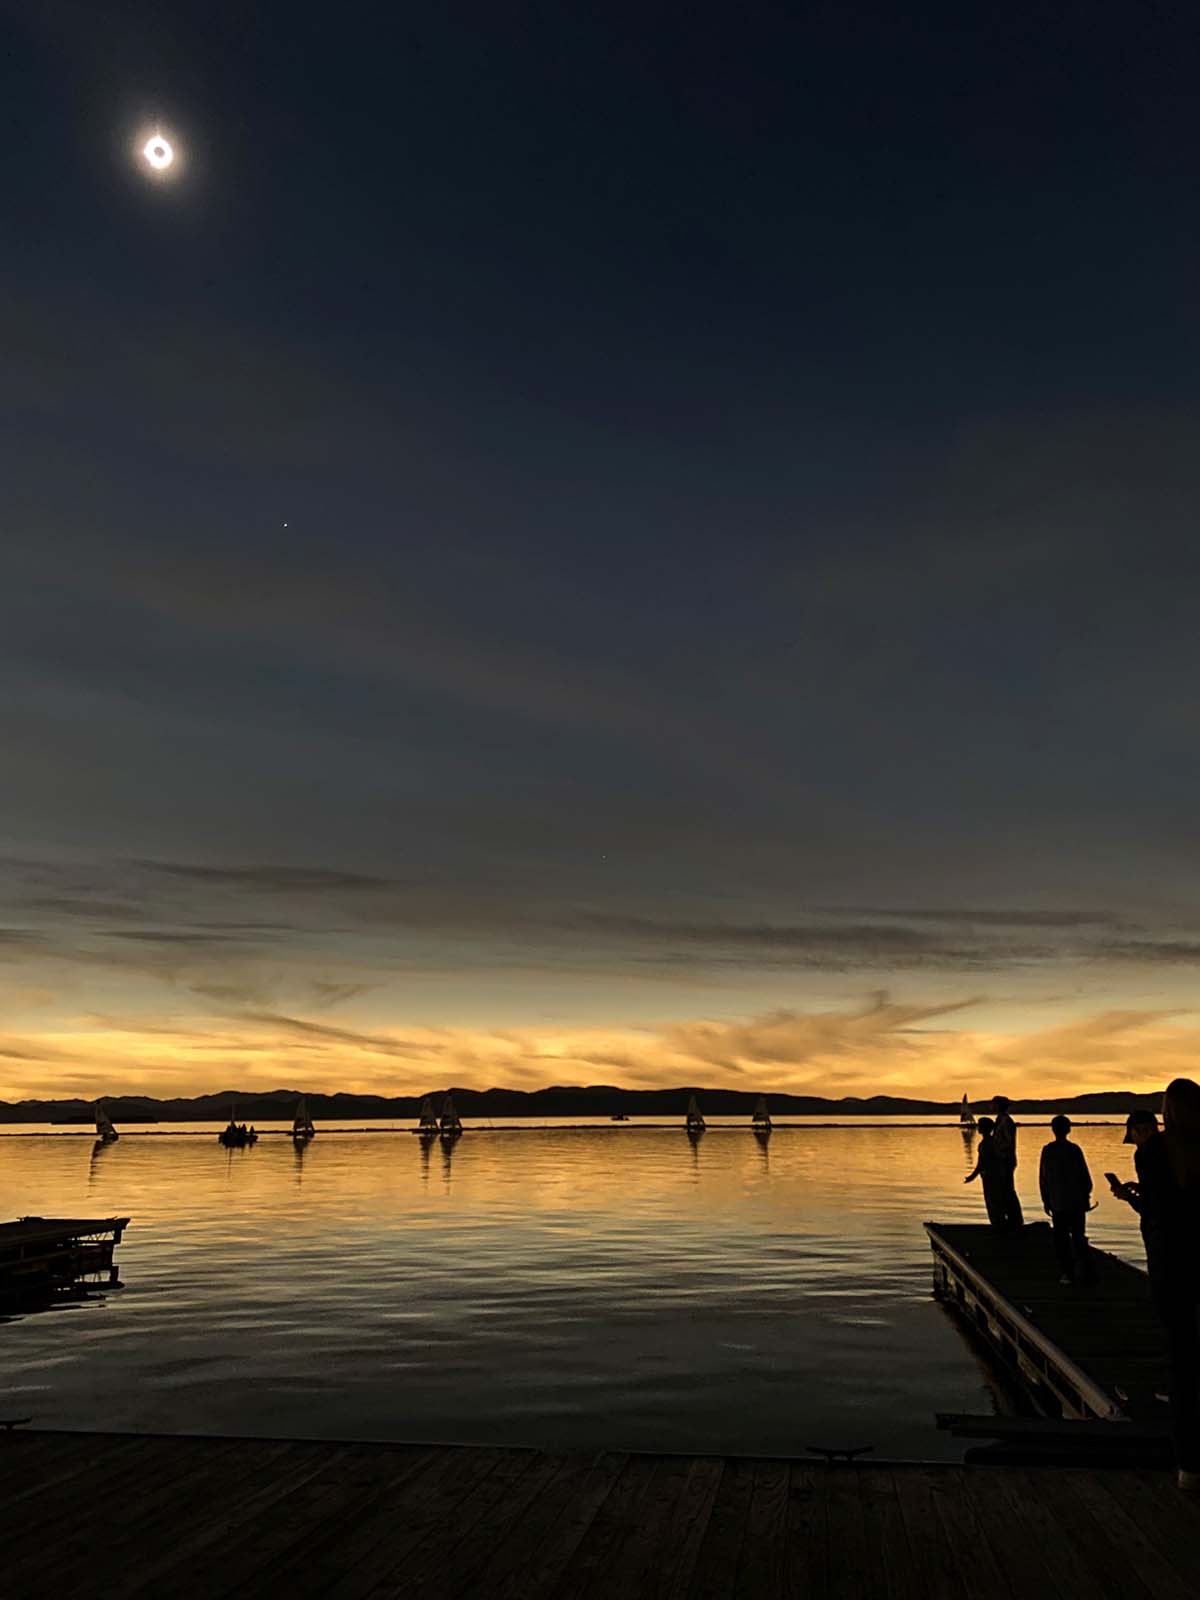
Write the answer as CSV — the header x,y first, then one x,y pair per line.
x,y
1168,1198
1140,1128
1066,1186
1005,1145
986,1169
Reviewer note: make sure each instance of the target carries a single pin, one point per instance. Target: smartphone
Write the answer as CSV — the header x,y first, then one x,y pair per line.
x,y
1113,1179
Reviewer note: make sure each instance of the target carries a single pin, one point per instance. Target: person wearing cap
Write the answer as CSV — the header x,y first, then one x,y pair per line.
x,y
1004,1146
1140,1127
1066,1186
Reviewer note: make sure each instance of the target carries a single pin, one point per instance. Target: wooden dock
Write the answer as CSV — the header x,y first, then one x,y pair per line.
x,y
1082,1350
43,1259
124,1515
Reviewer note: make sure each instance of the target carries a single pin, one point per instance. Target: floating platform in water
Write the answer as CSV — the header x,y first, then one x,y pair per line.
x,y
199,1516
44,1258
1080,1350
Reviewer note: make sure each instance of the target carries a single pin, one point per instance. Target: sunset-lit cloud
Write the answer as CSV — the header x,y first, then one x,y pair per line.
x,y
166,976
881,1046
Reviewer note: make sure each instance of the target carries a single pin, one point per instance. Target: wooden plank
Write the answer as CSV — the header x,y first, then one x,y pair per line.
x,y
1164,1513
1053,1516
935,1570
464,1566
196,1517
425,1562
399,1524
107,1493
965,1537
685,1532
515,1553
616,1524
1109,1520
352,1551
806,1555
636,1559
721,1548
152,1484
313,1515
761,1570
541,1572
31,1462
1014,1542
239,1498
884,1567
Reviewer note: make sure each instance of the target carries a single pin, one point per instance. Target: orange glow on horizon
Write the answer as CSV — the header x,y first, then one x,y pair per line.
x,y
880,1050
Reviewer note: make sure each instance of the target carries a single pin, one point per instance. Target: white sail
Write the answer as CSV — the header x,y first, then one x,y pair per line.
x,y
695,1122
104,1127
761,1117
965,1115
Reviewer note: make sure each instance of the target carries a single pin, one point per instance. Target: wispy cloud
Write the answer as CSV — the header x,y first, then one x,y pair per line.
x,y
883,1044
281,880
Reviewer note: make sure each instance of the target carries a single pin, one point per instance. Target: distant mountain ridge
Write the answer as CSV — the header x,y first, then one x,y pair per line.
x,y
598,1100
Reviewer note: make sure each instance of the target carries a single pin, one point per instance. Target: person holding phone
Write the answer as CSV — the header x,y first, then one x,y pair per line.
x,y
1167,1199
1140,1127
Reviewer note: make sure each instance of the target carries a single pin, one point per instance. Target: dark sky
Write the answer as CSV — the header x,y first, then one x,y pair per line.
x,y
595,514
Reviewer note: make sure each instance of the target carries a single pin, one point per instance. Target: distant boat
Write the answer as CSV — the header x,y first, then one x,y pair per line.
x,y
428,1125
451,1125
302,1128
762,1117
695,1122
618,1116
234,1137
966,1116
105,1131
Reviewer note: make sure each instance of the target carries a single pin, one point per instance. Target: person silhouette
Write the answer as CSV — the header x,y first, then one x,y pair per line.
x,y
1140,1127
1005,1144
1066,1186
1168,1197
987,1171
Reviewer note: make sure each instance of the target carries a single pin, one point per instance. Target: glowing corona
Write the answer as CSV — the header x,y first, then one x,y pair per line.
x,y
158,153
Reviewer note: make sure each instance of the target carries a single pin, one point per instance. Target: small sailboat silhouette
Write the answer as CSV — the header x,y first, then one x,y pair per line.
x,y
695,1122
966,1117
302,1128
428,1125
451,1125
762,1117
105,1131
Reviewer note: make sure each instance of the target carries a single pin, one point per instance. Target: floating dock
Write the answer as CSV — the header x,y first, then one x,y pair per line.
x,y
1082,1351
44,1258
126,1516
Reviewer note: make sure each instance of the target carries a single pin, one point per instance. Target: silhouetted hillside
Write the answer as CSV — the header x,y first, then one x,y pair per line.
x,y
598,1100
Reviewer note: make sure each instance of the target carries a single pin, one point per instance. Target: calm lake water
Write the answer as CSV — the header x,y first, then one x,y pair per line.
x,y
577,1287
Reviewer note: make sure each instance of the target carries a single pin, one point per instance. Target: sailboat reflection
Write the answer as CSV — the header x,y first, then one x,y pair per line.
x,y
99,1150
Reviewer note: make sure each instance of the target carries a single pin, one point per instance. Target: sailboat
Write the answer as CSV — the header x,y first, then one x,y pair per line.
x,y
428,1125
762,1117
105,1131
966,1117
695,1122
302,1128
451,1125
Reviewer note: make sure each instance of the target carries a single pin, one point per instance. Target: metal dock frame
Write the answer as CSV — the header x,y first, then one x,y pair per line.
x,y
1016,1339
